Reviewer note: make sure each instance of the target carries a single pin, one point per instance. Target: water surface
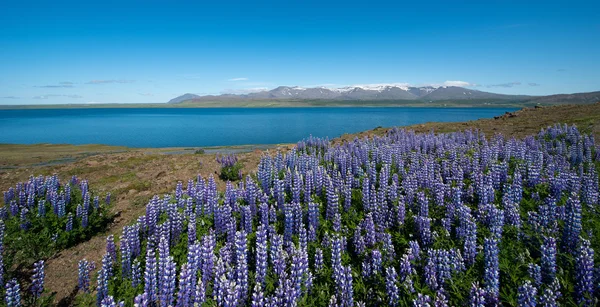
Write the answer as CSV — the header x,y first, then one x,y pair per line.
x,y
211,127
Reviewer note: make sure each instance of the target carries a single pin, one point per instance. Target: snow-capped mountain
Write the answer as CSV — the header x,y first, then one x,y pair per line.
x,y
394,91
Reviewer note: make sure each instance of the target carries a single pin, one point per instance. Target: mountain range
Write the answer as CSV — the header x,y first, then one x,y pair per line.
x,y
387,92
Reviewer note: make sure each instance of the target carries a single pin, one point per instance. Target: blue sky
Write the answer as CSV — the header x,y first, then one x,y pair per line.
x,y
151,51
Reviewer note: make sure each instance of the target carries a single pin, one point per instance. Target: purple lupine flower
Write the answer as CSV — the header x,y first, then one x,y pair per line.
x,y
136,273
150,276
187,286
261,254
208,257
440,299
37,280
247,214
337,222
166,289
415,250
194,257
242,265
141,300
199,295
84,218
343,279
477,296
369,227
102,288
332,200
535,272
358,241
23,218
191,231
423,225
527,295
573,226
107,265
258,297
84,275
548,265
318,259
584,273
336,254
69,225
13,293
41,207
111,248
391,278
422,300
548,298
1,266
492,271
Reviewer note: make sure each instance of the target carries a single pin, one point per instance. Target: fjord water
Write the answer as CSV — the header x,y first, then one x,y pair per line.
x,y
141,127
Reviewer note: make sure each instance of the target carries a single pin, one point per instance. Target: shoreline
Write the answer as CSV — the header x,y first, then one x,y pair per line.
x,y
516,123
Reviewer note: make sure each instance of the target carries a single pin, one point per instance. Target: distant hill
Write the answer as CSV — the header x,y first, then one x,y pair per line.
x,y
386,92
183,98
577,98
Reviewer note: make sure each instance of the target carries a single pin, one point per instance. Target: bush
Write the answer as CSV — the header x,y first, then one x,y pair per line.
x,y
231,172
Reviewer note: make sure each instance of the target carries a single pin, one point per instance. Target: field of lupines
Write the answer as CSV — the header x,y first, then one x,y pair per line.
x,y
401,220
39,218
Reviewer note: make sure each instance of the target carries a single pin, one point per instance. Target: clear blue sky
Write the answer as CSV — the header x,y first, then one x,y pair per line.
x,y
152,51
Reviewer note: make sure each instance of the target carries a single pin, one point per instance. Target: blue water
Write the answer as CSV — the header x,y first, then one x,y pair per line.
x,y
211,127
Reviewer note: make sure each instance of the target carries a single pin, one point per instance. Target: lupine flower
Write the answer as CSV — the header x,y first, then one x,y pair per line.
x,y
422,300
242,265
492,272
477,296
391,278
136,273
84,276
535,272
150,276
318,259
102,288
13,293
548,259
258,299
187,286
527,295
584,274
573,226
548,298
141,300
261,254
111,248
37,280
166,288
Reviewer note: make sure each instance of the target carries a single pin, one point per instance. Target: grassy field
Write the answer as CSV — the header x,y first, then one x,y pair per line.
x,y
133,176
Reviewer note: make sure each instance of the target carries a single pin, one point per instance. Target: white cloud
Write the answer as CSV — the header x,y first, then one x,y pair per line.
x,y
458,83
237,79
241,91
54,96
109,81
507,84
